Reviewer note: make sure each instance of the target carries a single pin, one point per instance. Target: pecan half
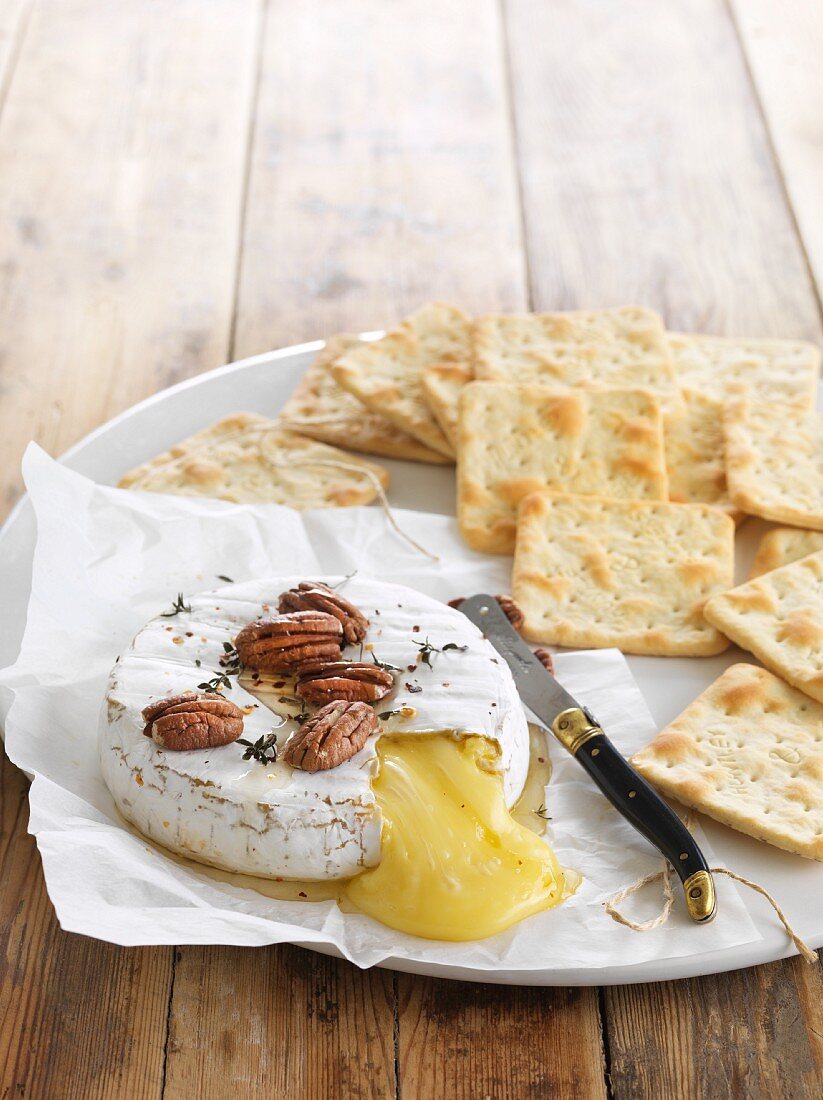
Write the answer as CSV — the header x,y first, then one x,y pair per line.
x,y
283,642
545,659
510,608
331,736
320,682
316,596
193,720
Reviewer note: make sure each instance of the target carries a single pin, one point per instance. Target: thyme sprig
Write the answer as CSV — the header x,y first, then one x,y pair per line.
x,y
219,681
427,649
178,606
385,664
541,811
263,750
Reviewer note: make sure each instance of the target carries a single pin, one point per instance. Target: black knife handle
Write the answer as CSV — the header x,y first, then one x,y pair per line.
x,y
632,796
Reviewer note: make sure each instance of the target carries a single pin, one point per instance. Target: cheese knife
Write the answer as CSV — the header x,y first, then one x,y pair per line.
x,y
579,732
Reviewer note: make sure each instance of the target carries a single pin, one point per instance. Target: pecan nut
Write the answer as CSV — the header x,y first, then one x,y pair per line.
x,y
283,642
193,720
316,596
545,659
509,607
355,681
331,736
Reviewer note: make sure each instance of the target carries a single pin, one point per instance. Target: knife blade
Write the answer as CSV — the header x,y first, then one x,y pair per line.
x,y
576,728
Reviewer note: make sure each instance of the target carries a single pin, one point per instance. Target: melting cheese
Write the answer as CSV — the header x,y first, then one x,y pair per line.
x,y
454,863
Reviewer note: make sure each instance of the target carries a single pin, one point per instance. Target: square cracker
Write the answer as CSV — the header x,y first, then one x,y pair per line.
x,y
624,347
442,385
628,573
385,375
779,618
249,460
515,440
747,752
774,461
321,409
772,370
782,545
695,453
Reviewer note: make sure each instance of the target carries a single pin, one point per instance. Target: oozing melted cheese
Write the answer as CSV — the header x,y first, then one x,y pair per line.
x,y
454,863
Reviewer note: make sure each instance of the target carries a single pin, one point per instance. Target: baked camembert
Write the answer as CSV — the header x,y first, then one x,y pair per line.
x,y
365,733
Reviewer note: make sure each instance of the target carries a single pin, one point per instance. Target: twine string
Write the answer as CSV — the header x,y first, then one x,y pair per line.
x,y
668,901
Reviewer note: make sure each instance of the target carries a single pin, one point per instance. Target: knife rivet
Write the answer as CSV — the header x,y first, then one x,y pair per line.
x,y
595,752
632,794
684,855
695,892
564,725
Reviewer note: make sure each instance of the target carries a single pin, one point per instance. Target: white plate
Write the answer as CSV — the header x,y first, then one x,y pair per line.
x,y
262,384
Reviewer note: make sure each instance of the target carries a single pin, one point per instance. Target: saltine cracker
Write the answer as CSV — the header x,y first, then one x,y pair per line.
x,y
774,461
772,370
747,752
321,409
625,348
633,574
782,545
778,617
385,374
515,440
249,460
695,453
442,384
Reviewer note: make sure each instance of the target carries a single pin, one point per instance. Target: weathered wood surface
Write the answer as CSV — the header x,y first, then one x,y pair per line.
x,y
185,183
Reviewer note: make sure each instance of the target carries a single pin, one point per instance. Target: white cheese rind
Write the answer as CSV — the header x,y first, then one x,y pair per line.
x,y
274,821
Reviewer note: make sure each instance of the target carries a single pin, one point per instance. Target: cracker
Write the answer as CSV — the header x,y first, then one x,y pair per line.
x,y
782,545
321,409
695,453
385,374
779,618
442,384
625,348
747,752
248,459
515,440
773,370
633,574
774,461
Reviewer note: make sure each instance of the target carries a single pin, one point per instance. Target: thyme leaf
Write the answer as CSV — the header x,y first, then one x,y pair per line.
x,y
385,664
427,649
263,750
230,661
178,606
219,681
541,811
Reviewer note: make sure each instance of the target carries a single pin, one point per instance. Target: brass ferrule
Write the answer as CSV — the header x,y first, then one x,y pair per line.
x,y
574,728
700,897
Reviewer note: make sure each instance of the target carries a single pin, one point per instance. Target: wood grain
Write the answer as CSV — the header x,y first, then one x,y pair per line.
x,y
77,1017
463,1040
646,169
749,1033
122,163
381,171
278,1022
782,44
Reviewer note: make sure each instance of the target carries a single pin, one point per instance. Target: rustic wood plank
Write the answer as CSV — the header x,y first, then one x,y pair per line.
x,y
77,1017
748,1033
782,44
122,161
278,1022
461,1040
647,175
122,164
381,171
646,170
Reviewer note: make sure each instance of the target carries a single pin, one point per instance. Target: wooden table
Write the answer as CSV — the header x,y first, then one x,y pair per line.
x,y
184,183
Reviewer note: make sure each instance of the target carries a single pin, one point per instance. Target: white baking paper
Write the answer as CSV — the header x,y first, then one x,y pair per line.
x,y
107,560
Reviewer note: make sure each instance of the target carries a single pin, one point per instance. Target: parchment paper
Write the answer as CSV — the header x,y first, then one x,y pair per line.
x,y
107,560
